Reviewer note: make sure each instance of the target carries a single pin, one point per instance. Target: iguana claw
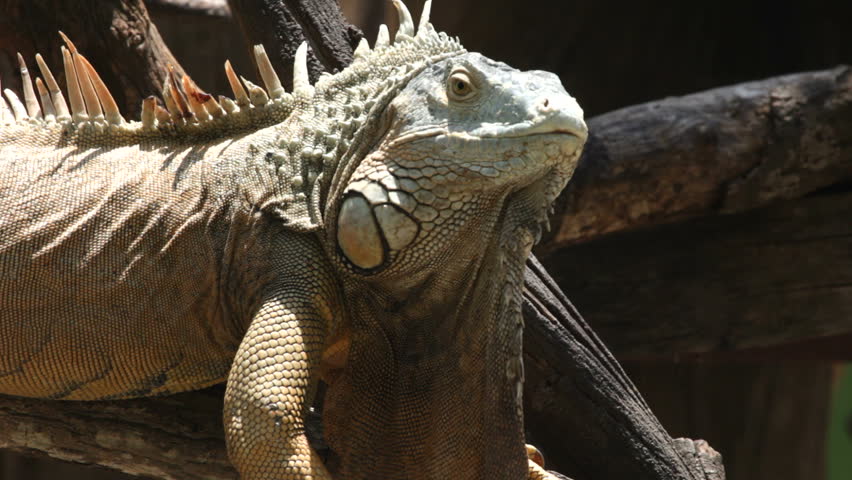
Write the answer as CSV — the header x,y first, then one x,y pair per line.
x,y
535,455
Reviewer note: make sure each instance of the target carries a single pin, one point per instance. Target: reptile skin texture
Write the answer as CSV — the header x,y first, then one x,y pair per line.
x,y
368,231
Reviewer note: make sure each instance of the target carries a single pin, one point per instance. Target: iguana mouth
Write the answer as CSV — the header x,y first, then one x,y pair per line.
x,y
564,126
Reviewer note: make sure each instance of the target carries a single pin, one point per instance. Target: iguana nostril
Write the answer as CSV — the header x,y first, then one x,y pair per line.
x,y
545,106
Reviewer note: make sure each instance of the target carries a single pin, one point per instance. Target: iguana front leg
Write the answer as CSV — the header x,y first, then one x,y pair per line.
x,y
275,373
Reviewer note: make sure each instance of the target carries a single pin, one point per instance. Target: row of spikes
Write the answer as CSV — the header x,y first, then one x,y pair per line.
x,y
89,96
185,102
90,99
406,28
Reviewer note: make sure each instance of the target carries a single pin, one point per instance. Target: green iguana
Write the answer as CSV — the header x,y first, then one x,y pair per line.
x,y
369,230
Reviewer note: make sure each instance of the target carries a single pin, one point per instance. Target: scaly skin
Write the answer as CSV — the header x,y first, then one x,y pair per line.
x,y
370,230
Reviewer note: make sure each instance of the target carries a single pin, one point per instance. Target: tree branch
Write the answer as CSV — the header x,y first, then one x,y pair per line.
x,y
725,150
179,437
773,273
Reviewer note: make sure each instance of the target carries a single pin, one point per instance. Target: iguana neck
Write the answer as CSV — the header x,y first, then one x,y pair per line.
x,y
445,367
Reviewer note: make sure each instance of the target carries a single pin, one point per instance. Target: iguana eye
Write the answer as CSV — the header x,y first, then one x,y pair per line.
x,y
460,85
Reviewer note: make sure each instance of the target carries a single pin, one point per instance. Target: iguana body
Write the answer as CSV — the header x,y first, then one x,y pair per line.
x,y
370,230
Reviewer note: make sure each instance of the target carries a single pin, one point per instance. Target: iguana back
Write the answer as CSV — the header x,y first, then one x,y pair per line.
x,y
99,239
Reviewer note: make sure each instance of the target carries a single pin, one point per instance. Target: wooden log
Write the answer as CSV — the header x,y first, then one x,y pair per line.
x,y
725,150
179,437
333,38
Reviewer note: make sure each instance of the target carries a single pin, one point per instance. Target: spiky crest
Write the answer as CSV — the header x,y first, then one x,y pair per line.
x,y
190,109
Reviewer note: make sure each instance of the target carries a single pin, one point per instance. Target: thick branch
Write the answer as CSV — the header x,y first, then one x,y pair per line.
x,y
759,278
725,150
332,38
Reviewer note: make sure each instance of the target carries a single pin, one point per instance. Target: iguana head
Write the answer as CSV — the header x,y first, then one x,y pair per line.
x,y
465,137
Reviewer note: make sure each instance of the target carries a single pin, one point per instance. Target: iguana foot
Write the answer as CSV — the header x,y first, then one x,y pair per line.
x,y
535,455
536,466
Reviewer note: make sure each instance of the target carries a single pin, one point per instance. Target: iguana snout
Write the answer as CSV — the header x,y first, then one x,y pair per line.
x,y
462,136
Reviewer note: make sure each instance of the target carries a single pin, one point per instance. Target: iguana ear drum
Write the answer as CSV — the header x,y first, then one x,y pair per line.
x,y
358,234
366,233
398,229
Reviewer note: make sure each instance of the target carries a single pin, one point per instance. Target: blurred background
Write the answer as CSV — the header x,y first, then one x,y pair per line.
x,y
780,412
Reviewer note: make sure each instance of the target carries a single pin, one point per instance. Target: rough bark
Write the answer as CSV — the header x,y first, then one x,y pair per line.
x,y
177,437
117,37
725,150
